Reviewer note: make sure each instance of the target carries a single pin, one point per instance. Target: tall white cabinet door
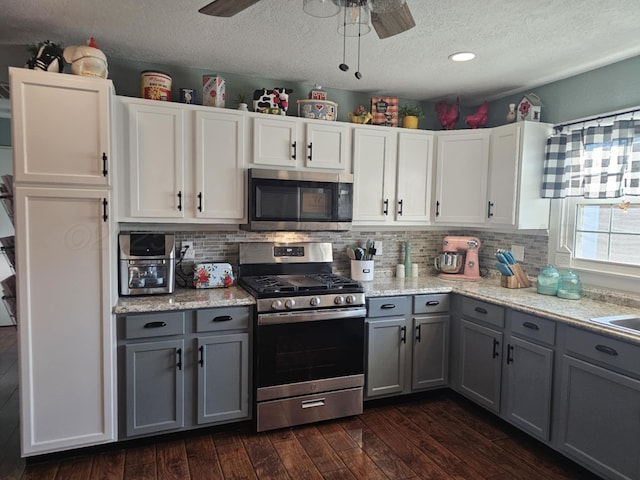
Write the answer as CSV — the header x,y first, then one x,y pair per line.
x,y
220,160
274,141
414,177
68,141
156,160
461,180
503,176
67,374
327,146
374,163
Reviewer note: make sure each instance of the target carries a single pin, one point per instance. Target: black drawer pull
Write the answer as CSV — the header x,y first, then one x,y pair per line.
x,y
509,354
607,350
481,310
418,333
432,303
222,318
155,325
387,306
201,360
179,364
530,325
403,334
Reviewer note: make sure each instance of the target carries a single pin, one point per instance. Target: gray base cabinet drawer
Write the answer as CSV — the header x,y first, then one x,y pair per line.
x,y
154,325
389,306
532,327
483,311
432,303
216,319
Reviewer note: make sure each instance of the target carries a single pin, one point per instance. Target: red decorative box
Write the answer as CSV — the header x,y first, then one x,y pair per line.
x,y
385,111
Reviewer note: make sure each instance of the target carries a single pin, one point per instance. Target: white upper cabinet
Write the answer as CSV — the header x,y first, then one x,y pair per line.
x,y
461,179
414,177
186,164
50,109
292,142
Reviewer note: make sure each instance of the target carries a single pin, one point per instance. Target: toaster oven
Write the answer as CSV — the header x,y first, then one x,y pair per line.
x,y
146,263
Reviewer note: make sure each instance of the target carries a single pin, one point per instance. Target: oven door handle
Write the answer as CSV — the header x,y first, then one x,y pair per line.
x,y
310,315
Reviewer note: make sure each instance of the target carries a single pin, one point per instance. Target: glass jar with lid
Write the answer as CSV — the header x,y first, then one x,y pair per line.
x,y
570,286
548,280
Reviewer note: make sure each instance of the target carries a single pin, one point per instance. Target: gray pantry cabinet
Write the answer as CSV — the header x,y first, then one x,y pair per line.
x,y
406,352
183,369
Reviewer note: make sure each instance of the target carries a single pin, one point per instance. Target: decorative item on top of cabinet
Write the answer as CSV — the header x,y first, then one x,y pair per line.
x,y
46,56
275,101
511,113
213,91
410,115
448,117
360,115
156,85
478,119
529,108
385,111
87,60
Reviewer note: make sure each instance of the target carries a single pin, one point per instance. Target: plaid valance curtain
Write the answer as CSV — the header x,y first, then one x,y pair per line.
x,y
597,162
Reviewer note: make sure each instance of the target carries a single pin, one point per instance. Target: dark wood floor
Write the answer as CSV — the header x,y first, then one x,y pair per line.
x,y
440,436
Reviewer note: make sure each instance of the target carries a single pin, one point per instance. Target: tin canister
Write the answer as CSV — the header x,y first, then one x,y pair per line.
x,y
213,91
187,95
156,85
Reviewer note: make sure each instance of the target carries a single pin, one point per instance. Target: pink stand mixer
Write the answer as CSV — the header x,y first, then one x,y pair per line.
x,y
459,259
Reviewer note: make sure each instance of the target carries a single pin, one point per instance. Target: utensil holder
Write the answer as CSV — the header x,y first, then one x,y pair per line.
x,y
519,278
362,270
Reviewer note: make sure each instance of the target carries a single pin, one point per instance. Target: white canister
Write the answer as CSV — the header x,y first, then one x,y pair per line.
x,y
362,270
400,270
414,270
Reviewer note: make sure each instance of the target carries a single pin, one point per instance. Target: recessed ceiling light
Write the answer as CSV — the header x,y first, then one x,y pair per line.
x,y
462,56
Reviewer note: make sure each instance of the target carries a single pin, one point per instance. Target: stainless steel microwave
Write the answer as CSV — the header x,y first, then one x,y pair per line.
x,y
294,200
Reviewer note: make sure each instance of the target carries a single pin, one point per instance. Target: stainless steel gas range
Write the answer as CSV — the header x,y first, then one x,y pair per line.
x,y
308,334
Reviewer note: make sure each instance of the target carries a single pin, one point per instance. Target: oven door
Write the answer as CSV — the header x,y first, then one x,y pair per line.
x,y
313,348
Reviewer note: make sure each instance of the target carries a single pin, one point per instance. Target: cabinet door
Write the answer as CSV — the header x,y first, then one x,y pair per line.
x,y
430,351
154,386
461,178
386,351
414,178
327,146
503,176
275,141
528,386
223,378
374,164
156,160
60,128
480,364
63,250
220,159
600,419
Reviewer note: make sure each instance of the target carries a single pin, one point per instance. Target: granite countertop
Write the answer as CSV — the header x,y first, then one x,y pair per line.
x,y
573,312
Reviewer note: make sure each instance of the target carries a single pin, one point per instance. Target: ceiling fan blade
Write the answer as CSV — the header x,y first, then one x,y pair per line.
x,y
393,22
226,8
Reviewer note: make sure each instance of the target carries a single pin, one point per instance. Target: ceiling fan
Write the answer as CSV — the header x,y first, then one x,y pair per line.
x,y
388,17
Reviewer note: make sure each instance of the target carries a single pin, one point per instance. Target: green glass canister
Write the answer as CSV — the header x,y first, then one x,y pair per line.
x,y
570,286
407,259
548,280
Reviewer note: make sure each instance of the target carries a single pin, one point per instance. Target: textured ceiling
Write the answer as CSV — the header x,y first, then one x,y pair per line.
x,y
520,44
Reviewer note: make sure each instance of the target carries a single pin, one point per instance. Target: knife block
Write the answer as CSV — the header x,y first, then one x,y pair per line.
x,y
519,278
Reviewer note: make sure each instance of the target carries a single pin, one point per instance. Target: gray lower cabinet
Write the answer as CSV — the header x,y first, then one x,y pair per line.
x,y
386,355
599,417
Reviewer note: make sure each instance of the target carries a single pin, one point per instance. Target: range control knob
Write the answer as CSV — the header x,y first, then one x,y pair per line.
x,y
315,301
290,303
338,300
351,299
276,305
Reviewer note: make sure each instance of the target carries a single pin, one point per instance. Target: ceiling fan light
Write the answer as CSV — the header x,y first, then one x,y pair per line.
x,y
321,8
356,19
462,56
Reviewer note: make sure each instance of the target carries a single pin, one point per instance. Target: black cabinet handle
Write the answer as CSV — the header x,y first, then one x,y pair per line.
x,y
418,333
509,354
489,207
432,303
295,150
179,364
496,344
400,204
105,213
403,334
385,210
481,310
608,350
310,147
155,325
387,306
180,201
531,326
222,318
201,361
199,201
104,164
437,209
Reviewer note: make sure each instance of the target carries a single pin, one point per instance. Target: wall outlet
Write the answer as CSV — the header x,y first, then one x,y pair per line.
x,y
518,252
378,247
190,252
